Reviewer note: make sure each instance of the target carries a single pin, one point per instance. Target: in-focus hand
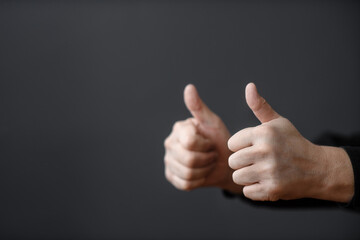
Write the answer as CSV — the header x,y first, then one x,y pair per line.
x,y
196,153
274,161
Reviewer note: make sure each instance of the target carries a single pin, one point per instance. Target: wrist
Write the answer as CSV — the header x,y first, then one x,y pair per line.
x,y
337,182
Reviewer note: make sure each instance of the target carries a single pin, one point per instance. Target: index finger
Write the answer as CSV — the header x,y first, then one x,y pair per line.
x,y
241,139
192,140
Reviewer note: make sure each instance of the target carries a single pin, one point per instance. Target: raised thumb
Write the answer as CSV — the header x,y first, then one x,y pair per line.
x,y
262,110
196,106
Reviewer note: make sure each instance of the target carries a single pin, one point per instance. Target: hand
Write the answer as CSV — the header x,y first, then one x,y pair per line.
x,y
196,153
273,161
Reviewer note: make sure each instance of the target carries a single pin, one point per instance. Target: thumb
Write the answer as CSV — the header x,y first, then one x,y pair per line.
x,y
196,106
262,110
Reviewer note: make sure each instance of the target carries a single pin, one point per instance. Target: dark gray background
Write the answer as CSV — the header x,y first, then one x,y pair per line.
x,y
90,89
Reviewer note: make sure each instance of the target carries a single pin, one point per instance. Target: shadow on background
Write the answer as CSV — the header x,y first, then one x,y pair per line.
x,y
89,90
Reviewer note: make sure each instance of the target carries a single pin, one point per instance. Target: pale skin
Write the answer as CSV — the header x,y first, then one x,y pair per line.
x,y
268,162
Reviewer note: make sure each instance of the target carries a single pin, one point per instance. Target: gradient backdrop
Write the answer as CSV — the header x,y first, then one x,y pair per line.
x,y
90,89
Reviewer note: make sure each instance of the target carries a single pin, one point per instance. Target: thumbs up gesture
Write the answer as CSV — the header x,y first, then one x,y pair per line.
x,y
274,161
196,153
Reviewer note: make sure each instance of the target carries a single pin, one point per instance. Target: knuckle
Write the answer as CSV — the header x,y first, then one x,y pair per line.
x,y
186,185
190,160
167,142
285,120
188,174
263,101
265,150
269,131
177,125
273,168
269,151
266,131
232,163
167,160
167,175
273,191
270,169
189,141
236,176
247,193
189,120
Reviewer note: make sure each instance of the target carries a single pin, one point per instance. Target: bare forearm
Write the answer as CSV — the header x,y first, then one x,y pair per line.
x,y
338,176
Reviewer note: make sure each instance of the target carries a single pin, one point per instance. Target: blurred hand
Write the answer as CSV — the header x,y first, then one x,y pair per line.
x,y
274,161
196,153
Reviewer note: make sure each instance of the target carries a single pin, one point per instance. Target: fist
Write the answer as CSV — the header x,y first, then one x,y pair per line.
x,y
274,161
196,152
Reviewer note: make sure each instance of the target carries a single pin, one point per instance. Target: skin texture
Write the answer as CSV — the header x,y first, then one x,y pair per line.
x,y
196,153
269,162
274,161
